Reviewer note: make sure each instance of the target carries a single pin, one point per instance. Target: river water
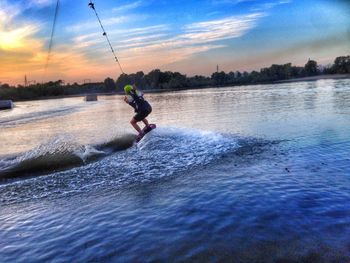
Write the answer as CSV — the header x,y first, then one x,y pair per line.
x,y
243,174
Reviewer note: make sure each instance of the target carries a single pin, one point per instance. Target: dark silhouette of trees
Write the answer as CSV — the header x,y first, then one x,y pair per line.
x,y
311,68
219,78
46,90
156,79
109,84
341,65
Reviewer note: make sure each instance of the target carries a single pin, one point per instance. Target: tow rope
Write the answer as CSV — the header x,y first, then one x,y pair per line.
x,y
92,5
52,35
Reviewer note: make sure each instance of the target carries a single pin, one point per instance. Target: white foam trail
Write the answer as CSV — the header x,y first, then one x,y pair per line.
x,y
163,152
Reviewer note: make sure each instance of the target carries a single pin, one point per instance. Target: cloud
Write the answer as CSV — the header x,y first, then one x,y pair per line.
x,y
194,39
14,36
92,24
17,38
270,5
20,50
87,53
23,52
128,7
137,31
151,59
7,13
235,2
148,47
230,27
40,3
258,6
132,36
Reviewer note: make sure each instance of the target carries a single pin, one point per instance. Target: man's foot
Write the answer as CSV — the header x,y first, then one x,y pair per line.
x,y
146,129
139,137
141,134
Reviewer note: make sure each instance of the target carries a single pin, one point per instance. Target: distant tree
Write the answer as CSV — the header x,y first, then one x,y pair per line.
x,y
327,69
255,77
165,77
341,65
140,79
178,81
297,72
199,81
175,80
137,79
5,86
231,77
123,80
219,78
311,68
153,78
109,84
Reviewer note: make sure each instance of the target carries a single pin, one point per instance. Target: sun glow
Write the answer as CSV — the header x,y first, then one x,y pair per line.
x,y
10,40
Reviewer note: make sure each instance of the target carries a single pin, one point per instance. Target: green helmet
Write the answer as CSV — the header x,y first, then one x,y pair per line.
x,y
128,89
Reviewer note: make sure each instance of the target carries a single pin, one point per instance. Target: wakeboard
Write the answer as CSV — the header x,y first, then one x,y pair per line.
x,y
145,131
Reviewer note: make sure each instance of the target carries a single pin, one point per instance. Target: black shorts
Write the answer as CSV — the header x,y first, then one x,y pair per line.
x,y
142,114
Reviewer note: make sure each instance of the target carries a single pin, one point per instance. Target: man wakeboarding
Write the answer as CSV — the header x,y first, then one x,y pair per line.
x,y
142,108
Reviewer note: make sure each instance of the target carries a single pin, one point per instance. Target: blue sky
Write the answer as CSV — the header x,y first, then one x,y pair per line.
x,y
187,36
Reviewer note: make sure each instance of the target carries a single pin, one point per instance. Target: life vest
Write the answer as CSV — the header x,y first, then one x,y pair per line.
x,y
138,102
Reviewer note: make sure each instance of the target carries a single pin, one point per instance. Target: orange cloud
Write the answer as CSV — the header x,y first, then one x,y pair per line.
x,y
88,56
24,53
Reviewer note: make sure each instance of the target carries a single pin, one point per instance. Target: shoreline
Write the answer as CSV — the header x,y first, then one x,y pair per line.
x,y
311,78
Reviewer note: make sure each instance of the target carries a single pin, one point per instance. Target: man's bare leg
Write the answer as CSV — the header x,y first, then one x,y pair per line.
x,y
145,121
135,125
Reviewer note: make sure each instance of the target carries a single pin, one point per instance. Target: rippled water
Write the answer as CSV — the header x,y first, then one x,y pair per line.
x,y
243,174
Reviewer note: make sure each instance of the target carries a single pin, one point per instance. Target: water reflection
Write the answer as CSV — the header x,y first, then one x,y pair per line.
x,y
270,183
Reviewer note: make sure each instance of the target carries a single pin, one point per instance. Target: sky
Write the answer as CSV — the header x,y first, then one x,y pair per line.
x,y
189,36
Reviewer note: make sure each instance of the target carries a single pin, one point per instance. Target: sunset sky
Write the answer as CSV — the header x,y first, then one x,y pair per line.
x,y
188,36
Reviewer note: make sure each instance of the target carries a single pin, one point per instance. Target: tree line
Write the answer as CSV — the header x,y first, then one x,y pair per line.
x,y
158,80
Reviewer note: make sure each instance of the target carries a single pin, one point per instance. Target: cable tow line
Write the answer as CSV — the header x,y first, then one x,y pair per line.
x,y
92,6
52,35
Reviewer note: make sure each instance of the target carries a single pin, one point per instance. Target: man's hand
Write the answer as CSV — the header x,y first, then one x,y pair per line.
x,y
126,99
